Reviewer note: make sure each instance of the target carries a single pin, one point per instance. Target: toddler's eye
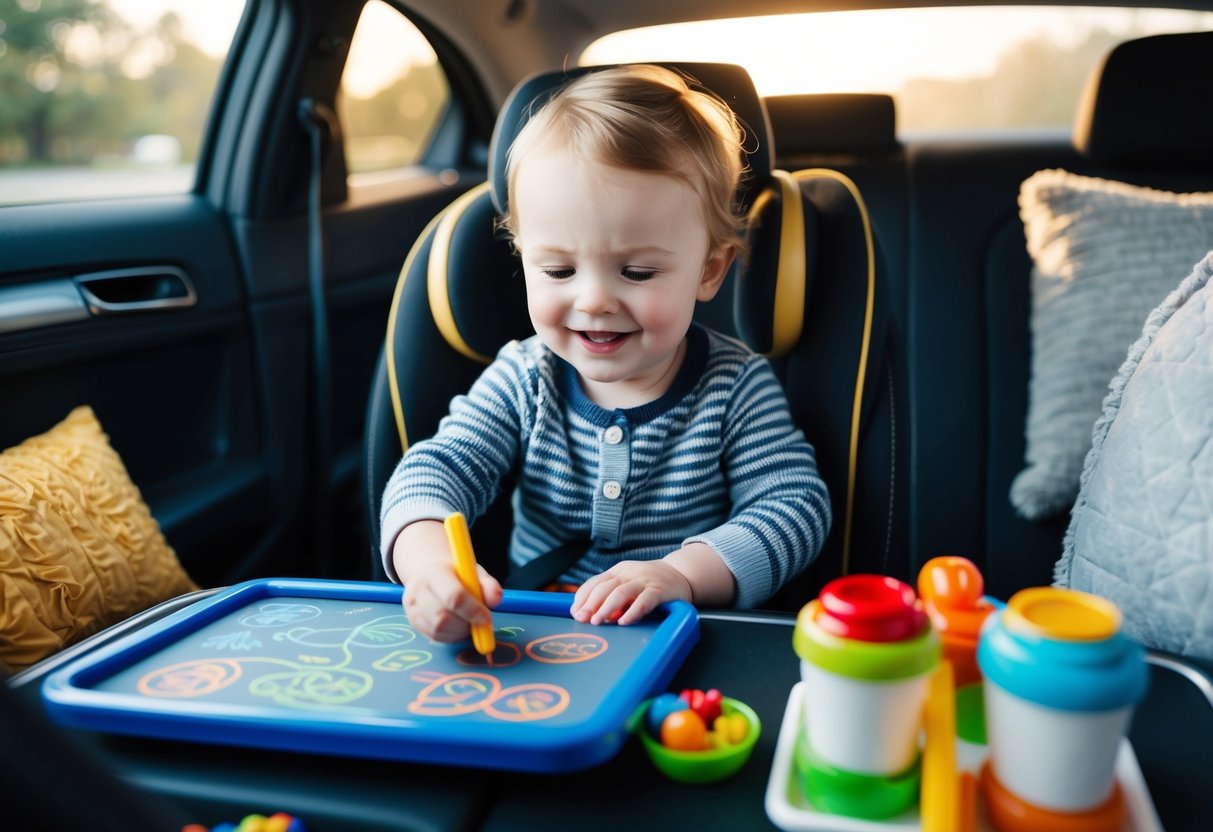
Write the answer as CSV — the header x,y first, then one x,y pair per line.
x,y
557,273
639,275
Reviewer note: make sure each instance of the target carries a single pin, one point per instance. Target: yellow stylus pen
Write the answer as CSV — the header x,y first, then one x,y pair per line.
x,y
465,569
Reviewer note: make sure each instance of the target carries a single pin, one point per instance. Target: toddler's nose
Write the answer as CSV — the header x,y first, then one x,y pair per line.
x,y
594,295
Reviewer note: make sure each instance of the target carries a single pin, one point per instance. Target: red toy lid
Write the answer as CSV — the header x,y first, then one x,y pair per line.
x,y
870,608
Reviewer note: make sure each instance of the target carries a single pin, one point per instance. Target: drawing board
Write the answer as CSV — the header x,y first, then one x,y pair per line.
x,y
334,667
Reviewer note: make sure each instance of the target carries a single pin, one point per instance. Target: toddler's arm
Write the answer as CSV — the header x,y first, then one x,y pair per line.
x,y
435,601
630,590
780,505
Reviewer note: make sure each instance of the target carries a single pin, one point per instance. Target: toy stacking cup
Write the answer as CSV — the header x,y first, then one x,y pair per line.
x,y
867,651
951,591
1061,681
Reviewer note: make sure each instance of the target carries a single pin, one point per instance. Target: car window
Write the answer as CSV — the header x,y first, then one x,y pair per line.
x,y
102,98
948,68
393,94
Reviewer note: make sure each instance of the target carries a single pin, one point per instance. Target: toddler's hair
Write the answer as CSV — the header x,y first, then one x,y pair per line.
x,y
646,118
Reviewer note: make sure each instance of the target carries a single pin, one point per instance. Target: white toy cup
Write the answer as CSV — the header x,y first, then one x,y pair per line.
x,y
867,651
1061,684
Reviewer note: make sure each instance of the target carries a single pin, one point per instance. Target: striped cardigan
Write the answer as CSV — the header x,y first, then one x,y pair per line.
x,y
716,460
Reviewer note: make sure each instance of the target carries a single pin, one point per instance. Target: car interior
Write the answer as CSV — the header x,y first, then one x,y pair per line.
x,y
261,349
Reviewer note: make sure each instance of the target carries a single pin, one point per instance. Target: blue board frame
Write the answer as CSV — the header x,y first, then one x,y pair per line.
x,y
77,694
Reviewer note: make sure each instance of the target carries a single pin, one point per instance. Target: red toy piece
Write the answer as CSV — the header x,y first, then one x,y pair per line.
x,y
706,704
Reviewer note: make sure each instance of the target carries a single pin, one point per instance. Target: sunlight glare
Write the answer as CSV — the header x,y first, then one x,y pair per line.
x,y
869,51
384,46
208,25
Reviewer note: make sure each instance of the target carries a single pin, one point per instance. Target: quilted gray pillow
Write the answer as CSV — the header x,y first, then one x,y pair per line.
x,y
1103,253
1142,530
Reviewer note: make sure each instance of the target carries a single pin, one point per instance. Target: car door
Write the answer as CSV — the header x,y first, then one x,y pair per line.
x,y
184,319
131,302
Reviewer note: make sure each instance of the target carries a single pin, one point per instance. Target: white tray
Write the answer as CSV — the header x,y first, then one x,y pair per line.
x,y
789,810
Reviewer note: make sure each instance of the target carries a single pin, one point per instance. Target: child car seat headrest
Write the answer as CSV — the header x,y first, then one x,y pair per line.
x,y
729,82
1150,103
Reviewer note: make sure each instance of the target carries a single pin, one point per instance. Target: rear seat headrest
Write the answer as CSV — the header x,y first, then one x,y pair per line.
x,y
1150,103
860,123
728,81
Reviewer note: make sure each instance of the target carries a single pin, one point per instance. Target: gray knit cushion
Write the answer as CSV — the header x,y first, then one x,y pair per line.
x,y
1142,530
1103,253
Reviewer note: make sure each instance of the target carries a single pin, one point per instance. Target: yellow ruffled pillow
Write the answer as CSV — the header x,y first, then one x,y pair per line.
x,y
79,549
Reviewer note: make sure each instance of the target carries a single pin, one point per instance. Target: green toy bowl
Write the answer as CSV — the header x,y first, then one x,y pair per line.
x,y
709,766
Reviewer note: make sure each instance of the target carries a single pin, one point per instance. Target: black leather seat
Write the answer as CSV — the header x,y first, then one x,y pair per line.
x,y
809,126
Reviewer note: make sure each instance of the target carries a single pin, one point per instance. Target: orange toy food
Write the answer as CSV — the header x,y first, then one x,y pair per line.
x,y
684,731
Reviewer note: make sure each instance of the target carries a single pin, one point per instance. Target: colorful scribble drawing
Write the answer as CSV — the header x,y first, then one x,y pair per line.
x,y
455,695
398,661
327,667
458,694
528,703
566,648
186,680
385,631
243,640
424,677
318,686
277,614
298,685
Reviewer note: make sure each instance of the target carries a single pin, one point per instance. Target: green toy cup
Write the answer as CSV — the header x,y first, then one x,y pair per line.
x,y
697,767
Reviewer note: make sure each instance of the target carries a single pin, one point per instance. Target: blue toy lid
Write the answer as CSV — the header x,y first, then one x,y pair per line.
x,y
1071,667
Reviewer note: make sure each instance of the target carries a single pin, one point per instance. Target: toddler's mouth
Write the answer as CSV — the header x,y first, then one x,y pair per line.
x,y
602,337
602,341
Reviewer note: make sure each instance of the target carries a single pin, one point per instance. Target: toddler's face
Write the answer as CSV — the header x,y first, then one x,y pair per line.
x,y
614,260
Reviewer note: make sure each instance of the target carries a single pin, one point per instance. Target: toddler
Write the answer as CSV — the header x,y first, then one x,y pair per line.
x,y
667,449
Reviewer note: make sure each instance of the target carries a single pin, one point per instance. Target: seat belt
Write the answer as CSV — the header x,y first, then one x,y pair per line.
x,y
321,125
547,568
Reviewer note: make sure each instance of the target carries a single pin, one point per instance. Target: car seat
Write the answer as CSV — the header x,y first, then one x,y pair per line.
x,y
847,126
809,298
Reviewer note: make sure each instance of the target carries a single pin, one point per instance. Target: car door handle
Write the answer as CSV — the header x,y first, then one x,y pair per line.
x,y
44,303
136,289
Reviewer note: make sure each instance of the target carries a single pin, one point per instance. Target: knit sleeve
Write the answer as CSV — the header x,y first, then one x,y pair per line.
x,y
780,506
461,467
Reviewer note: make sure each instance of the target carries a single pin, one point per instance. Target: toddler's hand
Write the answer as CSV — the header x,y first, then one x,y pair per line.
x,y
435,601
629,591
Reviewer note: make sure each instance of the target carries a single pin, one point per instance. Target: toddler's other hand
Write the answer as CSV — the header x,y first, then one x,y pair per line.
x,y
435,601
629,591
